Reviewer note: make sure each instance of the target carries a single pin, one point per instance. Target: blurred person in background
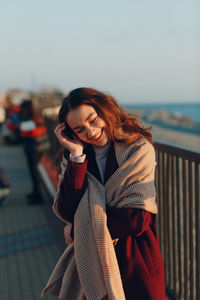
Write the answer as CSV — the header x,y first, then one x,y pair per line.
x,y
106,195
35,142
2,116
10,131
4,187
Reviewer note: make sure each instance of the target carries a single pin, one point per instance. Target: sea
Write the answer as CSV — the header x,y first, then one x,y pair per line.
x,y
191,110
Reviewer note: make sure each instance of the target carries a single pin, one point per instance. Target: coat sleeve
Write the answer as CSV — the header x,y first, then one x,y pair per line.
x,y
71,190
123,222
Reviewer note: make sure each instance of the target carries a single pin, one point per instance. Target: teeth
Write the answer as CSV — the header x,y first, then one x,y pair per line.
x,y
97,136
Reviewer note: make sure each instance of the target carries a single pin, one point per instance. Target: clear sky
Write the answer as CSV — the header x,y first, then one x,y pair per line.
x,y
137,50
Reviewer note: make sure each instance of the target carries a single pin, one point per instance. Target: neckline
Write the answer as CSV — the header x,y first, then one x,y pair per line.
x,y
101,151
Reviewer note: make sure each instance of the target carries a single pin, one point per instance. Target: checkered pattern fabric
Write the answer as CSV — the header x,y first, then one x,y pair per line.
x,y
88,268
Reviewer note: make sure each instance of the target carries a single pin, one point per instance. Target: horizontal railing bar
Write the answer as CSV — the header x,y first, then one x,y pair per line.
x,y
182,152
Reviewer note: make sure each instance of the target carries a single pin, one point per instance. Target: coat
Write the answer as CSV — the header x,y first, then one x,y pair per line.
x,y
137,250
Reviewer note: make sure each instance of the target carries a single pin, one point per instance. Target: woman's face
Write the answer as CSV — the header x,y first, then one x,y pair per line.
x,y
87,125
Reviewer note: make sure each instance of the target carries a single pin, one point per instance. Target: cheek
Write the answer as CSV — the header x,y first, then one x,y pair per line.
x,y
81,137
100,123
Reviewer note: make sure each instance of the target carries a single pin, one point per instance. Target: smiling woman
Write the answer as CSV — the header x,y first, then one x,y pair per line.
x,y
87,125
106,195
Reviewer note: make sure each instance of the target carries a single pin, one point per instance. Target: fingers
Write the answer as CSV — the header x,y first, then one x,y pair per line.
x,y
69,241
59,128
67,232
59,134
72,145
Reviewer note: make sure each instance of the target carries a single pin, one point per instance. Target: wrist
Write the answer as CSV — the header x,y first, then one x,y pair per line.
x,y
76,153
78,159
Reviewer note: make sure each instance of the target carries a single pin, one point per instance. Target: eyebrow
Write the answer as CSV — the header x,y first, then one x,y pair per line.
x,y
88,117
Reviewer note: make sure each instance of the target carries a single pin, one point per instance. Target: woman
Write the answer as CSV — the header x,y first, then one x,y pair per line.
x,y
106,195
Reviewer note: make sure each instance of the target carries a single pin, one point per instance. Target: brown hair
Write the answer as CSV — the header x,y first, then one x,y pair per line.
x,y
121,126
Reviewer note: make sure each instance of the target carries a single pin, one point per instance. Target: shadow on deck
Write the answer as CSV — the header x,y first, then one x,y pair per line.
x,y
29,241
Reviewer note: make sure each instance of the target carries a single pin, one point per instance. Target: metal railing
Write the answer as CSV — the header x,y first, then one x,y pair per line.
x,y
178,198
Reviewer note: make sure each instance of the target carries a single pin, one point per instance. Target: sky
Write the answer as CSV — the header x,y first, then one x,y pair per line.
x,y
139,51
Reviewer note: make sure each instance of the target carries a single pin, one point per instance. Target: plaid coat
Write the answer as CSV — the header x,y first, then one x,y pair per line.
x,y
130,186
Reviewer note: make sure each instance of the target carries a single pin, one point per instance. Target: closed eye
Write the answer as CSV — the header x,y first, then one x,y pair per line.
x,y
94,120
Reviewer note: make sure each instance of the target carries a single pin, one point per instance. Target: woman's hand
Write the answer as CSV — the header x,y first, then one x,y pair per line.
x,y
74,146
67,232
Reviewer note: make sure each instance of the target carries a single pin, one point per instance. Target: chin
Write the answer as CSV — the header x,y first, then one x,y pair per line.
x,y
102,143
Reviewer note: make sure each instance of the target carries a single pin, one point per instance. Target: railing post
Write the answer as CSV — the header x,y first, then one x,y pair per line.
x,y
169,220
166,217
180,226
186,232
192,231
197,210
174,225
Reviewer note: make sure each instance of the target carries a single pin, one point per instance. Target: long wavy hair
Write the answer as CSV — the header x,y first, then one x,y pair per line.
x,y
121,126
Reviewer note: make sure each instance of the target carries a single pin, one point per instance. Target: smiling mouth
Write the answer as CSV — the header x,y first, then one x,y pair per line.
x,y
98,136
